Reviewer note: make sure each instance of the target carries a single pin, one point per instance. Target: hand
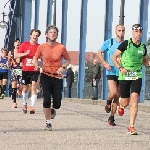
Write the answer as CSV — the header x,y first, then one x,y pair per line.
x,y
36,67
108,67
27,52
60,70
123,70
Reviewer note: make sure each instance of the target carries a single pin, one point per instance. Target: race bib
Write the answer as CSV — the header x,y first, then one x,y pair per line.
x,y
17,72
131,75
29,62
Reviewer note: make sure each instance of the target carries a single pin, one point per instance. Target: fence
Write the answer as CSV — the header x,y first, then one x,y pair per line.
x,y
88,90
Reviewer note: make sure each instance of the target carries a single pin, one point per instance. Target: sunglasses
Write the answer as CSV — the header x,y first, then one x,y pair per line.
x,y
137,28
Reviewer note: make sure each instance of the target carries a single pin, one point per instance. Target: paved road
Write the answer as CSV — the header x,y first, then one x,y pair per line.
x,y
76,127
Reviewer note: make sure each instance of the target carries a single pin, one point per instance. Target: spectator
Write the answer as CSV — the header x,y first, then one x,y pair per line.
x,y
69,79
96,78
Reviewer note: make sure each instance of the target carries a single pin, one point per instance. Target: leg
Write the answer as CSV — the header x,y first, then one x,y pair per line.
x,y
34,79
112,92
46,87
135,92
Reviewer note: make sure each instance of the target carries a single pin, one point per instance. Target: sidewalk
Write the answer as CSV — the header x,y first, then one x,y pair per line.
x,y
77,126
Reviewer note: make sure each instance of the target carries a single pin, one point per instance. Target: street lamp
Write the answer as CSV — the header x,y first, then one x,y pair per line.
x,y
3,24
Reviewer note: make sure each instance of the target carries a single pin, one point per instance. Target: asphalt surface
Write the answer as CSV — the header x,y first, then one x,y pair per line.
x,y
78,125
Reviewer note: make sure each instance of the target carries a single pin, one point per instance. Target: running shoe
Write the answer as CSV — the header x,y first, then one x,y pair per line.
x,y
120,111
132,131
14,105
111,121
32,110
48,127
24,109
53,113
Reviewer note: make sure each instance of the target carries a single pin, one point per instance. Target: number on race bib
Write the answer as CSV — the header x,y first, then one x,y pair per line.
x,y
29,62
131,75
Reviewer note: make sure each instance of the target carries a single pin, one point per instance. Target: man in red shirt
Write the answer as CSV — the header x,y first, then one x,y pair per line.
x,y
29,76
52,53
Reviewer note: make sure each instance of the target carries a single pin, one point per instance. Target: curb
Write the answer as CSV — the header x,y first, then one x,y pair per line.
x,y
141,107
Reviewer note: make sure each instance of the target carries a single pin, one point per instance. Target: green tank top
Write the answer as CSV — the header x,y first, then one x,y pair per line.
x,y
132,59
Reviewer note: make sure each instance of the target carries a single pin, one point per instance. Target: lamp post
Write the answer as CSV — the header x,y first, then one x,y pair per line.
x,y
121,20
3,24
54,15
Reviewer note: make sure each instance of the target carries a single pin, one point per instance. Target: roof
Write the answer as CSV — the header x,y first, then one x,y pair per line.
x,y
74,55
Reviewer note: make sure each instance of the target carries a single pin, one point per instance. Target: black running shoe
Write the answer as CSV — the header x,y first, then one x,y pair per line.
x,y
108,106
48,127
111,121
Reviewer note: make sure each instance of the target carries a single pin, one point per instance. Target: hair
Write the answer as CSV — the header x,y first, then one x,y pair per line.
x,y
17,39
51,27
35,30
119,25
4,49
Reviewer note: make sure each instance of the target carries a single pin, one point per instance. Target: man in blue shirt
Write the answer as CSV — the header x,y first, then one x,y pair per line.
x,y
3,72
112,73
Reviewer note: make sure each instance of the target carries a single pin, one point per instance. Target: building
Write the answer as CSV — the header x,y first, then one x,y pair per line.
x,y
74,55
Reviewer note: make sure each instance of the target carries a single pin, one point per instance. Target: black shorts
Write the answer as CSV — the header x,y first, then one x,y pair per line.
x,y
3,75
127,86
113,77
52,88
29,76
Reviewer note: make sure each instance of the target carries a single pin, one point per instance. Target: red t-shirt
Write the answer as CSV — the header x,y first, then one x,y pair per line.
x,y
27,60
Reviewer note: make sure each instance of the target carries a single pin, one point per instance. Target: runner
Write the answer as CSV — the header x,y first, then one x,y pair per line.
x,y
29,76
16,72
112,72
52,53
133,56
3,72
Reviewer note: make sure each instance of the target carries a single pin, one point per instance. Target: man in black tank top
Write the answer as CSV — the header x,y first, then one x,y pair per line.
x,y
16,72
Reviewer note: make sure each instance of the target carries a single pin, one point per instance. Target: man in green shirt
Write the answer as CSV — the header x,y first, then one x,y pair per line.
x,y
133,57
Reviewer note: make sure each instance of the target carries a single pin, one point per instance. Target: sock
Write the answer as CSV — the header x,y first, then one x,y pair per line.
x,y
14,92
109,102
33,100
24,95
48,121
132,126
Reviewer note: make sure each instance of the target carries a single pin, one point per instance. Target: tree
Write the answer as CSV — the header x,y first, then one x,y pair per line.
x,y
88,73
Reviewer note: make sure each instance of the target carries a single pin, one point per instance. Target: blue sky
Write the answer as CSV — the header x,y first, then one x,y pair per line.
x,y
95,21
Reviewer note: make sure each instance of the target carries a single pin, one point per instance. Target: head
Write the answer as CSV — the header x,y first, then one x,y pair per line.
x,y
51,33
137,32
95,61
17,43
120,31
69,66
4,52
34,34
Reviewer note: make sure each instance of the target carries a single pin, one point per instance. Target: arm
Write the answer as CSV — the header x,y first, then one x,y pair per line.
x,y
100,52
36,57
66,57
116,54
146,62
21,52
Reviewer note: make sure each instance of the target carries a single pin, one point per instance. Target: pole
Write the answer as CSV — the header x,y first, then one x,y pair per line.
x,y
54,16
121,20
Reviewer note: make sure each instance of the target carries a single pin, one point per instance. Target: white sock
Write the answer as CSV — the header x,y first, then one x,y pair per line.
x,y
24,95
33,100
48,121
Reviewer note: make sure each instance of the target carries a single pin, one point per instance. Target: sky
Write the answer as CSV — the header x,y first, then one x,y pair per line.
x,y
95,21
